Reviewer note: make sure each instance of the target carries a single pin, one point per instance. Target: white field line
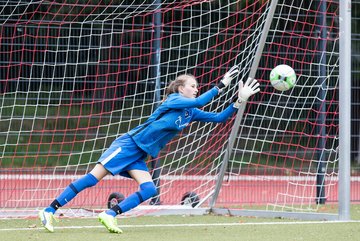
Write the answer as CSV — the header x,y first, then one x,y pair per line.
x,y
175,177
188,225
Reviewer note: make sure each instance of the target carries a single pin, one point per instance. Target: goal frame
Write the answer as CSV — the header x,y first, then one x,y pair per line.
x,y
345,110
344,136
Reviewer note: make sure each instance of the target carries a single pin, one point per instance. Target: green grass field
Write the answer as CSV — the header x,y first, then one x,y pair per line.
x,y
178,228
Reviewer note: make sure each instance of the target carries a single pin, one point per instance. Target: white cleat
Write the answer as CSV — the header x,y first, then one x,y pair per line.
x,y
46,219
109,222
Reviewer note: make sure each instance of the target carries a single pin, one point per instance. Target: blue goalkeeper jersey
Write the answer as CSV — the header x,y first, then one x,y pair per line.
x,y
173,115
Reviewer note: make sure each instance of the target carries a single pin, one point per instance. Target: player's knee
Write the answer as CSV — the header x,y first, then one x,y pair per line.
x,y
148,190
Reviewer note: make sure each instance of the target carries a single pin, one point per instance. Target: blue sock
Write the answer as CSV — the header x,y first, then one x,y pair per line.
x,y
147,190
71,191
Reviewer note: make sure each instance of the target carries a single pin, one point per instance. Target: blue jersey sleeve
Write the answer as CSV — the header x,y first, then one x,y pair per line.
x,y
204,116
177,101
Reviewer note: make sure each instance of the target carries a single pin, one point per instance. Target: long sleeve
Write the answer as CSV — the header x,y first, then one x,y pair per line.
x,y
204,116
173,115
177,101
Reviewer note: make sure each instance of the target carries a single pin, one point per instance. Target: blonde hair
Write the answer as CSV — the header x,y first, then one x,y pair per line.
x,y
174,85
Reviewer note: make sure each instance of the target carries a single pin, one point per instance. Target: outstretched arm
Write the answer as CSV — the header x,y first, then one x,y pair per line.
x,y
250,88
179,102
204,116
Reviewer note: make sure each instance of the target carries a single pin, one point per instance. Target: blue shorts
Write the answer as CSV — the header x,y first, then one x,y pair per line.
x,y
122,156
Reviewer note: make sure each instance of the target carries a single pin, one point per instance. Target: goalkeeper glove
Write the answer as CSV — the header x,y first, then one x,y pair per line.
x,y
228,77
246,90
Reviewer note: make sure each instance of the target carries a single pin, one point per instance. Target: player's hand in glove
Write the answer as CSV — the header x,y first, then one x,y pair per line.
x,y
246,90
228,77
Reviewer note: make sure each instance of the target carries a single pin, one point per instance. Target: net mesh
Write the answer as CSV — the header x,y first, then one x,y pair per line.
x,y
77,74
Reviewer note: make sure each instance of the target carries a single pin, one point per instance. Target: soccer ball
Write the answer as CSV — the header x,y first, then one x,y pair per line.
x,y
282,77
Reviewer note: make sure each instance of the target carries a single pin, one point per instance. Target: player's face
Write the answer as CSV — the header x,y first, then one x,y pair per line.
x,y
189,89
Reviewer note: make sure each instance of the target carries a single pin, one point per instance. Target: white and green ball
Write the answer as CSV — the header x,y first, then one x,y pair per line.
x,y
282,77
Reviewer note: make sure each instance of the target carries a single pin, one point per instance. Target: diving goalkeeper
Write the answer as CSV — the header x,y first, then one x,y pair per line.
x,y
127,154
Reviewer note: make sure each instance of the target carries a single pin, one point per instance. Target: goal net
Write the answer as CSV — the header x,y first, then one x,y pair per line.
x,y
75,75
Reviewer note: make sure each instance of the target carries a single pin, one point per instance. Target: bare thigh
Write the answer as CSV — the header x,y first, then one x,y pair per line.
x,y
99,171
140,176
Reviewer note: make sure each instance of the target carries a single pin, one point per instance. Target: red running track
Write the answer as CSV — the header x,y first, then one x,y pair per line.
x,y
29,192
